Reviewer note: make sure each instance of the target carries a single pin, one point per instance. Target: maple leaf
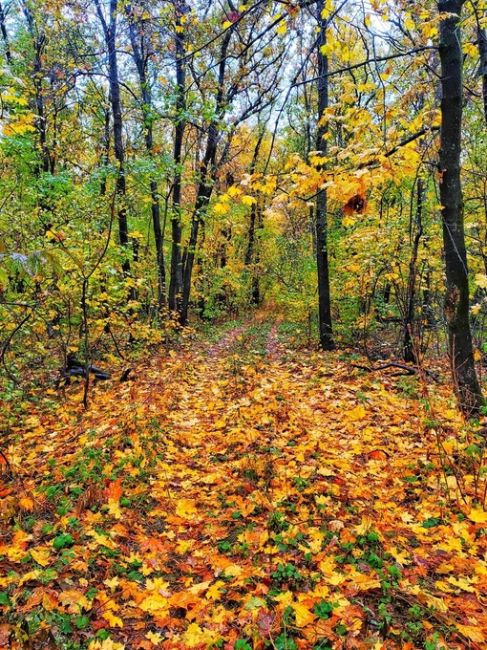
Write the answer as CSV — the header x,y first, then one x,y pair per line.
x,y
112,619
471,632
106,644
196,636
303,615
42,555
186,508
478,516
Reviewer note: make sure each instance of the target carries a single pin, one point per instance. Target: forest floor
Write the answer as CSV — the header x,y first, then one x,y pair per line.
x,y
240,494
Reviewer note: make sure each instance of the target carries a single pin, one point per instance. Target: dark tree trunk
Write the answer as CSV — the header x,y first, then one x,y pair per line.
x,y
105,158
255,296
482,45
482,40
465,379
324,296
207,175
110,34
409,354
140,58
251,254
38,43
3,30
176,281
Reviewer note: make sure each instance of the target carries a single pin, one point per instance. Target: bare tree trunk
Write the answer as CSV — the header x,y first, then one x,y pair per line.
x,y
482,46
324,296
176,281
251,254
140,58
207,174
408,348
465,379
38,43
3,30
110,34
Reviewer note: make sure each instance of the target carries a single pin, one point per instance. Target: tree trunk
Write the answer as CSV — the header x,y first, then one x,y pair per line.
x,y
38,43
110,33
409,354
3,30
465,379
176,281
207,175
140,58
324,297
482,45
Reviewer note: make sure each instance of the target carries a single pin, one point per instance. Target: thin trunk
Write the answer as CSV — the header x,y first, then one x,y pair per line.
x,y
465,379
38,43
147,113
255,296
207,175
409,354
249,253
324,297
105,158
3,30
110,33
482,45
176,281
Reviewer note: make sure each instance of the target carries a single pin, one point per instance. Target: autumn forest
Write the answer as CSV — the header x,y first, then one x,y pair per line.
x,y
243,324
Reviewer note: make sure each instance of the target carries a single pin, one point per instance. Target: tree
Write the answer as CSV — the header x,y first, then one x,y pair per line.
x,y
465,378
110,35
142,52
324,296
176,281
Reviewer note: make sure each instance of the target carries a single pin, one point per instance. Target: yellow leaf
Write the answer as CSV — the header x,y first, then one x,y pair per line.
x,y
41,555
154,637
196,636
282,29
112,620
248,200
186,508
303,615
471,632
154,604
285,598
358,413
114,508
478,516
481,280
107,644
221,208
213,592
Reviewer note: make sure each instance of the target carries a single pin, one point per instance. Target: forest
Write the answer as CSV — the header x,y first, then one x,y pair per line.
x,y
243,324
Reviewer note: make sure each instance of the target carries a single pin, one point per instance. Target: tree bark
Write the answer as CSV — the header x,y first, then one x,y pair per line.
x,y
140,58
465,379
38,43
324,295
3,30
110,34
176,281
207,175
409,354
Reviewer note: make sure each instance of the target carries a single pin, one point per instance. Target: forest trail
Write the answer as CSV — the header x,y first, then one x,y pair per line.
x,y
240,492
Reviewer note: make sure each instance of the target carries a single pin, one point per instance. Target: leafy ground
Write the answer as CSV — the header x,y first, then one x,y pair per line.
x,y
237,494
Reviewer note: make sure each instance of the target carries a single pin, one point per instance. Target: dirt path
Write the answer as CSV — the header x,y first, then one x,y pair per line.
x,y
281,503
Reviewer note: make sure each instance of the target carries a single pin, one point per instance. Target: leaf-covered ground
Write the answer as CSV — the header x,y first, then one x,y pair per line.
x,y
237,494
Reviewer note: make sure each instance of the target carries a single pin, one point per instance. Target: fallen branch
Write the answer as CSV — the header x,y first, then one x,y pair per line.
x,y
410,370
